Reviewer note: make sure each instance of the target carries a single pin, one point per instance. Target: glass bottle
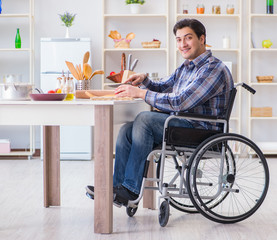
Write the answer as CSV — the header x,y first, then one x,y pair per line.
x,y
17,39
216,9
69,89
269,6
230,9
185,9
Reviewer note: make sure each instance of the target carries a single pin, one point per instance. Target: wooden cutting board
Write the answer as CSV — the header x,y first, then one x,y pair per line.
x,y
98,93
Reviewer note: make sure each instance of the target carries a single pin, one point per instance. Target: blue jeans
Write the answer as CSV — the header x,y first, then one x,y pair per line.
x,y
134,142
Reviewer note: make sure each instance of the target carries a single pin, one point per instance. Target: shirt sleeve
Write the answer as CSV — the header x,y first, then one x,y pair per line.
x,y
208,82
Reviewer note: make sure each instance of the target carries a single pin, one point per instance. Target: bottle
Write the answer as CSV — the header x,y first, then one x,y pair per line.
x,y
200,9
17,39
68,88
269,6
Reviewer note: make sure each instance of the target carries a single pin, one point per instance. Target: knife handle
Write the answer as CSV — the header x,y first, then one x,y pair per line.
x,y
123,62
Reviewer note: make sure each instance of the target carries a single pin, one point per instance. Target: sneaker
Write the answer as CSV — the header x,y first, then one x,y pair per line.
x,y
90,194
123,195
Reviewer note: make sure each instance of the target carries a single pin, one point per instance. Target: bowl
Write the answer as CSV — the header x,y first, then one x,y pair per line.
x,y
48,96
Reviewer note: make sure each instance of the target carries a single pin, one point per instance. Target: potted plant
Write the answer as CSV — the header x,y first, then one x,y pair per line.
x,y
135,5
67,19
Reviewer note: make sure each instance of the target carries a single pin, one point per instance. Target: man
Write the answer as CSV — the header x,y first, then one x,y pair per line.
x,y
202,85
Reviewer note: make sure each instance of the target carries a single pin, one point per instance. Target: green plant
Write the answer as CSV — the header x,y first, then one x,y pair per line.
x,y
141,2
67,18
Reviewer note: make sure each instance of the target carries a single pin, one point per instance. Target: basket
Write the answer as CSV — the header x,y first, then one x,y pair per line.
x,y
122,43
261,111
117,78
153,44
265,79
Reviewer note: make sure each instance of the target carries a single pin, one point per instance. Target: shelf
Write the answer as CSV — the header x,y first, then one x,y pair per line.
x,y
220,49
262,15
263,49
135,15
263,84
263,118
135,49
17,153
209,15
14,15
15,49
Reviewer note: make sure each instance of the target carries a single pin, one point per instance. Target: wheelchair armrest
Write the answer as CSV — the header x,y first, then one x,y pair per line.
x,y
194,115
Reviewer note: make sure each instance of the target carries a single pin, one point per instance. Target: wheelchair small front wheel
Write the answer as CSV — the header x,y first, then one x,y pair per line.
x,y
131,211
164,213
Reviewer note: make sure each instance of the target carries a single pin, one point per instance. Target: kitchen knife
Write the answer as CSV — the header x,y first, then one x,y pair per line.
x,y
134,64
129,61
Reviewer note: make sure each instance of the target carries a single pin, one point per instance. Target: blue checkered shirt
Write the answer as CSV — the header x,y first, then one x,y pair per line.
x,y
200,86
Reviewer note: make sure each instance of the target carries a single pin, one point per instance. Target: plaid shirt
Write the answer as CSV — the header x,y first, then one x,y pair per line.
x,y
200,86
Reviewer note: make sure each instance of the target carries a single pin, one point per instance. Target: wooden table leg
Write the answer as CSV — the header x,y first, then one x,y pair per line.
x,y
103,173
51,165
149,196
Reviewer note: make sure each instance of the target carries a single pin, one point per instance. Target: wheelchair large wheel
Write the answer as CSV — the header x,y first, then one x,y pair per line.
x,y
172,175
238,189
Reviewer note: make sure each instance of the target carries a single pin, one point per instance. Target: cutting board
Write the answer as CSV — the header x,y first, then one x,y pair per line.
x,y
98,93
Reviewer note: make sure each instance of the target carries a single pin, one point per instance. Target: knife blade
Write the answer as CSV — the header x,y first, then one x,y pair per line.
x,y
134,64
129,61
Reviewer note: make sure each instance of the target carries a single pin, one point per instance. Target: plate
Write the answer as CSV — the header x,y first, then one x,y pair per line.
x,y
47,96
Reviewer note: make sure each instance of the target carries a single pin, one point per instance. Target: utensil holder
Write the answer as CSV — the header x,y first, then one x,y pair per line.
x,y
83,85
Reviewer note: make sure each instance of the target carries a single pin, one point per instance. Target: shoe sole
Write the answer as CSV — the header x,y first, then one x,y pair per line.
x,y
115,202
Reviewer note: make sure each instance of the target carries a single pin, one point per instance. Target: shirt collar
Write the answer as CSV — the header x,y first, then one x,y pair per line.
x,y
202,58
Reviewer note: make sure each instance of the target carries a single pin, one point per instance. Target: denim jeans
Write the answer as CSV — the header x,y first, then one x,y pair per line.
x,y
134,142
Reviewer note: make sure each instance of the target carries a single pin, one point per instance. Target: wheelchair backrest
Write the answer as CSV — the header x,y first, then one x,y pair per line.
x,y
230,104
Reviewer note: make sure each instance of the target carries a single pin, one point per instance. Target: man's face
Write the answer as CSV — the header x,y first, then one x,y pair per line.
x,y
189,45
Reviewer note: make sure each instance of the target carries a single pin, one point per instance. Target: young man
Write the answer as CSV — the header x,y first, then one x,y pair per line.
x,y
202,85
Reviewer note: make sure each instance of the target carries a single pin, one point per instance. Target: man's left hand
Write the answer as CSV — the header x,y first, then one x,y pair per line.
x,y
127,90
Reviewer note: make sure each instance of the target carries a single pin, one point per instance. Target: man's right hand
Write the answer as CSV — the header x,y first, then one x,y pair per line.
x,y
136,78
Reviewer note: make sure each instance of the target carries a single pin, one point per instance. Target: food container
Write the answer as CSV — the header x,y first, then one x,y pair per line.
x,y
261,111
200,9
230,9
216,9
264,79
15,91
5,146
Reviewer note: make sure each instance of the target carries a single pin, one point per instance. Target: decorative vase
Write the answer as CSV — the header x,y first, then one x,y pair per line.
x,y
67,33
135,8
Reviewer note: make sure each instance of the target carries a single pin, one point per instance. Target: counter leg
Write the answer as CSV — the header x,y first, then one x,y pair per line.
x,y
103,163
51,165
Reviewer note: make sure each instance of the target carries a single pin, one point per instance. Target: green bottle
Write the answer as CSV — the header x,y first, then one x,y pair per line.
x,y
269,6
17,39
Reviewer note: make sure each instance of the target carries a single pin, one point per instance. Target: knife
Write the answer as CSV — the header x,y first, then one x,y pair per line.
x,y
129,61
134,64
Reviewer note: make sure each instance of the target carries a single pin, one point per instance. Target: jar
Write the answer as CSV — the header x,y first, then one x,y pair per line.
x,y
200,9
216,9
230,9
226,42
185,9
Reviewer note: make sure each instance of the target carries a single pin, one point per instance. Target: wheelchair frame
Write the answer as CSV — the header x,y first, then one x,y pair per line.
x,y
215,150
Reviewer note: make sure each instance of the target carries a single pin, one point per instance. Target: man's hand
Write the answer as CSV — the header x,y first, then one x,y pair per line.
x,y
127,90
136,79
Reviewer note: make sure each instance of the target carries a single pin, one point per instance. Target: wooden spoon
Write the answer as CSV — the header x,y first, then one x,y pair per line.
x,y
87,71
72,69
96,72
86,57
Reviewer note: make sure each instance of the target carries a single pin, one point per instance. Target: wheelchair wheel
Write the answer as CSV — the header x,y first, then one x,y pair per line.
x,y
164,213
170,173
131,211
235,181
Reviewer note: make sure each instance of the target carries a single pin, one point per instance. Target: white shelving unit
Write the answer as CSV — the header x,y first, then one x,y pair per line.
x,y
24,19
153,22
218,26
262,130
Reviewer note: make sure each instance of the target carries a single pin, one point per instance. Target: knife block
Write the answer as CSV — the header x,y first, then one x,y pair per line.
x,y
126,75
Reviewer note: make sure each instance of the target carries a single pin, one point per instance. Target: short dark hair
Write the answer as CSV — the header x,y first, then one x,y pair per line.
x,y
194,24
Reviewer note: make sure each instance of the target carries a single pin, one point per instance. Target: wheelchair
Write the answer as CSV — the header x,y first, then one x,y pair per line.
x,y
224,176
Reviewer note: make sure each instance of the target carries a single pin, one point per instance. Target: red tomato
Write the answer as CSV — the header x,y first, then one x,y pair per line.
x,y
112,73
51,91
